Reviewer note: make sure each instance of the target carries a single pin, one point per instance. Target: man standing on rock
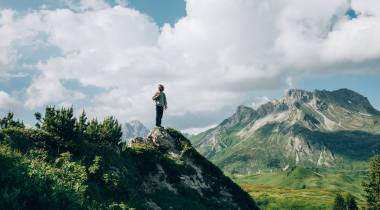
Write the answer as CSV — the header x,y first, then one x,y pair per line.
x,y
160,99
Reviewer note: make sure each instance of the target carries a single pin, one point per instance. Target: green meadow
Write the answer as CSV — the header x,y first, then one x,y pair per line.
x,y
302,188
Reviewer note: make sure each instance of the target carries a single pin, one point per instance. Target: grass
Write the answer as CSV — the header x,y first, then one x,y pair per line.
x,y
271,197
302,188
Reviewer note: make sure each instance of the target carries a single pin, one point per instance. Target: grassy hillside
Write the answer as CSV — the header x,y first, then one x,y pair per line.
x,y
302,188
69,163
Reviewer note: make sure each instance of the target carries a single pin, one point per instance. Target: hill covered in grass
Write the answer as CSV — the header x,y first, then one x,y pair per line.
x,y
75,163
303,188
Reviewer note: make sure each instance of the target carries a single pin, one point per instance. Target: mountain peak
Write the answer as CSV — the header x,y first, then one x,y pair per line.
x,y
243,115
297,93
135,123
344,98
348,99
242,108
134,129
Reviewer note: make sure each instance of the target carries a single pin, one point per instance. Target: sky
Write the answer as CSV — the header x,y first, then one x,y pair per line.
x,y
107,57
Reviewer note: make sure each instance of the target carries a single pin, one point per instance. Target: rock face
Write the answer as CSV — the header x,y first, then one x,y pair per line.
x,y
319,128
160,139
182,173
134,129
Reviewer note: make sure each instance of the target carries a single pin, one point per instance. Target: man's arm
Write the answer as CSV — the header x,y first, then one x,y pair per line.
x,y
155,97
165,103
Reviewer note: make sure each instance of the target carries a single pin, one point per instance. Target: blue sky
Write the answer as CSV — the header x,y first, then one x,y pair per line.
x,y
106,58
162,11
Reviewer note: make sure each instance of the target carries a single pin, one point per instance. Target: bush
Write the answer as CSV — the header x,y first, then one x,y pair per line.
x,y
30,182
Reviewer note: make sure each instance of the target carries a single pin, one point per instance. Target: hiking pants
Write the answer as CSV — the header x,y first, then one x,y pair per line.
x,y
159,113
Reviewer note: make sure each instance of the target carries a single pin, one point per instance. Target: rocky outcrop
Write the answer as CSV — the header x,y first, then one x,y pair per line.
x,y
182,170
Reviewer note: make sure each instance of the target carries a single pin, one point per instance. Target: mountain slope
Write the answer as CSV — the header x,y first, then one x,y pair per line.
x,y
162,171
319,128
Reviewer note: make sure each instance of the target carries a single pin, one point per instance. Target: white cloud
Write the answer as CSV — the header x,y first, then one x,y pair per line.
x,y
318,35
354,41
81,5
7,102
258,101
215,56
194,131
46,89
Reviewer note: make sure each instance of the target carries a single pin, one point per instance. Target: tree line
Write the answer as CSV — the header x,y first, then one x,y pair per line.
x,y
63,124
371,188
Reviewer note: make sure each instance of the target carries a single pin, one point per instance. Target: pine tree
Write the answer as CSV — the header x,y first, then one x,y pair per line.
x,y
8,121
60,123
106,132
93,131
339,203
372,186
111,131
351,203
81,125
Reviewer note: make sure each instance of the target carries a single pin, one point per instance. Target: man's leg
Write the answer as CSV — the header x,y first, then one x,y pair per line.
x,y
160,113
158,123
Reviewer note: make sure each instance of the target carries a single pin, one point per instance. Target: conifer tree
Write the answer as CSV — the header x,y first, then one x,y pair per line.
x,y
351,202
111,131
372,186
93,131
8,121
81,125
339,203
60,123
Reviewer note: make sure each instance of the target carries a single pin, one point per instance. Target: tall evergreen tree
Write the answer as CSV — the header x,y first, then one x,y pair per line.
x,y
81,125
8,121
111,131
93,131
60,123
339,203
372,186
38,117
106,132
351,202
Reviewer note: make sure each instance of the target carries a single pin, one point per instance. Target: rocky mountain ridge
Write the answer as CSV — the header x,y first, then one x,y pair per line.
x,y
303,128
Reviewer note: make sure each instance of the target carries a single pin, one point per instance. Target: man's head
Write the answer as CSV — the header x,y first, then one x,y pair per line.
x,y
161,87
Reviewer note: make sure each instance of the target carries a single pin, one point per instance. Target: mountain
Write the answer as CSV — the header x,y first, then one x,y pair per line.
x,y
313,129
40,170
134,129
